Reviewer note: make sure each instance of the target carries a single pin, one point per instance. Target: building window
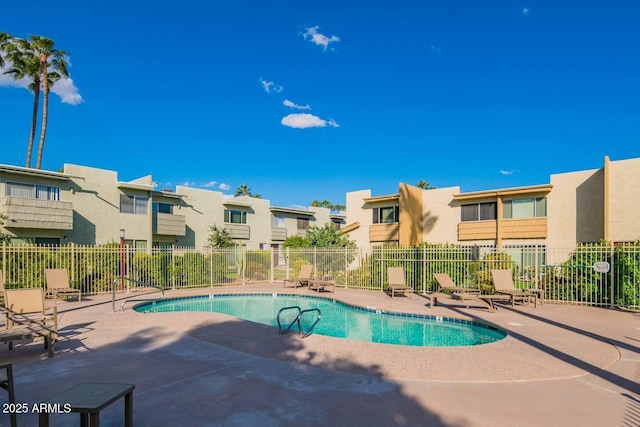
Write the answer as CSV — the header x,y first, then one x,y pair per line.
x,y
133,204
336,224
31,191
303,223
235,217
386,215
163,207
47,241
478,211
525,208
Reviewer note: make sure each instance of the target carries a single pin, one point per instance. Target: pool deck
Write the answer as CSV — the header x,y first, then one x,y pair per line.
x,y
560,365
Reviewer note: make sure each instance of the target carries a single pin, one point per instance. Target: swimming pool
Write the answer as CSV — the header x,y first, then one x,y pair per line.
x,y
338,319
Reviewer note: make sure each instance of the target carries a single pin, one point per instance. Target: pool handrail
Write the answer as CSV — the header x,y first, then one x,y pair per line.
x,y
297,320
137,282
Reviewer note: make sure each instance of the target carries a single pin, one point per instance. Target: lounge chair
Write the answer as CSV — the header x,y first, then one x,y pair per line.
x,y
396,282
321,284
486,299
448,289
303,277
503,284
446,284
27,317
58,284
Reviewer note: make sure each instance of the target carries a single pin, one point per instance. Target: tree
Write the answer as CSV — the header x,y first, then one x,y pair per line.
x,y
32,58
220,237
326,236
327,204
5,40
424,185
49,57
296,241
4,237
243,190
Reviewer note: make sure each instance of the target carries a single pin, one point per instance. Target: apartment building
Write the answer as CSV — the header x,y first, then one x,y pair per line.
x,y
574,207
91,206
35,204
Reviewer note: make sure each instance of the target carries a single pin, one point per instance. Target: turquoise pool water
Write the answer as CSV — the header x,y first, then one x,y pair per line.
x,y
338,319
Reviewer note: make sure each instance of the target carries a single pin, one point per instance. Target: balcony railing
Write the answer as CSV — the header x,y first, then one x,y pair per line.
x,y
35,213
169,224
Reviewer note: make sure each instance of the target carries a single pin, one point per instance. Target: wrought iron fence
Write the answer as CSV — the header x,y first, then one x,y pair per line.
x,y
566,275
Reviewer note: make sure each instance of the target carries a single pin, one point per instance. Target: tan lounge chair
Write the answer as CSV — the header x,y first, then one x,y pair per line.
x,y
27,317
448,289
446,284
58,284
396,282
303,277
320,285
503,283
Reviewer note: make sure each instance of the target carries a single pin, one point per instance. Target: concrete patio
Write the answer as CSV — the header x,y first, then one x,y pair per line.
x,y
560,365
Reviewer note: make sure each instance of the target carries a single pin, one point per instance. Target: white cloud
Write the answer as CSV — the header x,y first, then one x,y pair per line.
x,y
210,184
224,187
67,91
188,184
510,172
305,120
270,86
525,11
291,104
64,88
320,39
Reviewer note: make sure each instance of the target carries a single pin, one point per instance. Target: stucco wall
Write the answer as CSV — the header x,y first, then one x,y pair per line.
x,y
96,204
624,203
440,215
575,208
357,213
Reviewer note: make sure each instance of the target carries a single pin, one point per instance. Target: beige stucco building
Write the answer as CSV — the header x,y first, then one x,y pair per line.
x,y
91,206
574,207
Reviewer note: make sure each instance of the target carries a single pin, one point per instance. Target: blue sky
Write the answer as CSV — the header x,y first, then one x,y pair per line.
x,y
306,100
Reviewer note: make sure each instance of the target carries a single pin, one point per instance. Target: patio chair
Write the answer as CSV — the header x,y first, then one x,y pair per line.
x,y
503,284
446,284
396,282
27,317
448,289
303,277
58,284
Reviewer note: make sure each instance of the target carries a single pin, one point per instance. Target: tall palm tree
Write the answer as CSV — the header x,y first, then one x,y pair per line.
x,y
25,63
49,57
29,58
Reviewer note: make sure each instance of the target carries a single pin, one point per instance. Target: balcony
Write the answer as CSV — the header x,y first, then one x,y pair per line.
x,y
478,230
37,214
239,231
278,234
384,232
169,224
